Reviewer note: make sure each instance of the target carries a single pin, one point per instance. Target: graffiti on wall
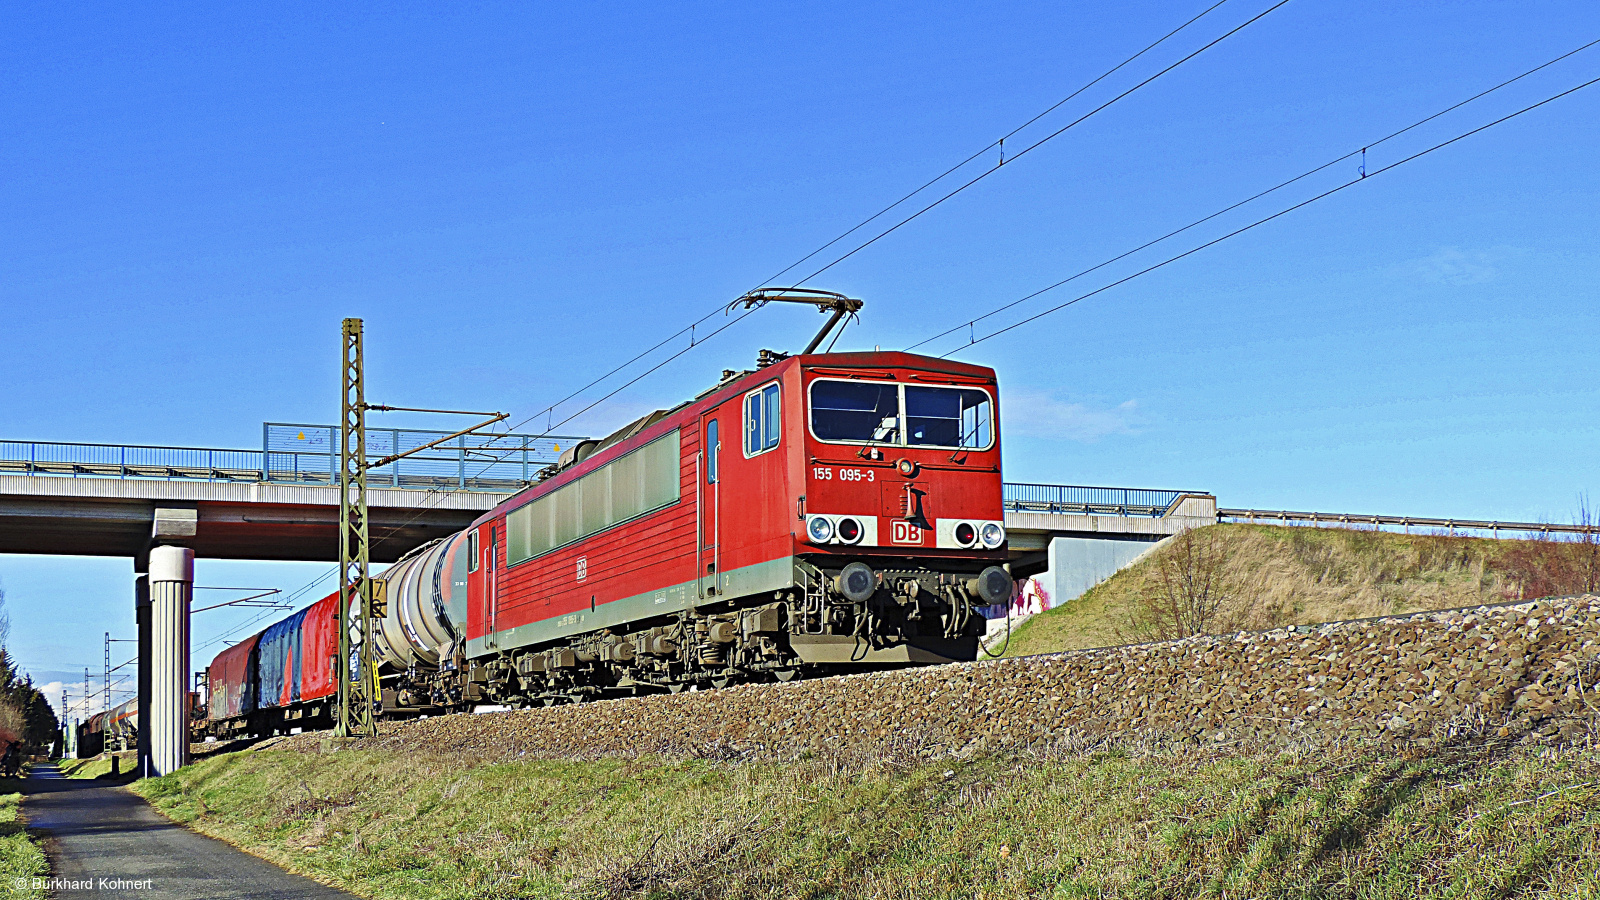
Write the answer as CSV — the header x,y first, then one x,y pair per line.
x,y
1030,596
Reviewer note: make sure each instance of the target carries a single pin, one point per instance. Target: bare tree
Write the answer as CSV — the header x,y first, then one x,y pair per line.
x,y
1588,548
1189,593
1548,566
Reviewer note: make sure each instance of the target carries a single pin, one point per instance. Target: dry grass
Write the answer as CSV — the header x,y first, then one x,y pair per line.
x,y
1475,820
1281,576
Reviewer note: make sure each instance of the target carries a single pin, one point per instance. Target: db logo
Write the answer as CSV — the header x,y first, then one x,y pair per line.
x,y
583,567
907,533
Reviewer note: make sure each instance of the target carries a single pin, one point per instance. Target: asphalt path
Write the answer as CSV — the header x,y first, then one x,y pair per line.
x,y
103,840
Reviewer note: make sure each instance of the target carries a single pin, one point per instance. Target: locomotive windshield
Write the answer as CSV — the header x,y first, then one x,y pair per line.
x,y
947,417
856,411
916,415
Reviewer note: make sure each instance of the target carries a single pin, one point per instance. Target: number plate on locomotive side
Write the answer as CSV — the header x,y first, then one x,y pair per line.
x,y
823,473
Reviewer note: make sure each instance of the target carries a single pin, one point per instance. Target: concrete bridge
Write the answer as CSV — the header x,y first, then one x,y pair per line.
x,y
218,519
281,504
1076,542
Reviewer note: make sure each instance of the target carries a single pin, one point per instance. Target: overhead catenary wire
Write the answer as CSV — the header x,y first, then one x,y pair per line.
x,y
266,611
1000,142
438,495
975,340
1042,141
970,323
232,631
691,329
551,425
1365,176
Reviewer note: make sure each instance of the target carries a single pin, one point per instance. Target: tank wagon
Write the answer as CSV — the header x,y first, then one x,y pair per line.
x,y
821,513
114,729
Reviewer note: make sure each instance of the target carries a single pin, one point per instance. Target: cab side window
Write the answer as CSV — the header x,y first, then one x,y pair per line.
x,y
763,420
712,446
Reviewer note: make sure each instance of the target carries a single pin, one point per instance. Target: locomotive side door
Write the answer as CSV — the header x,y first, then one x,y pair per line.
x,y
481,600
491,583
709,493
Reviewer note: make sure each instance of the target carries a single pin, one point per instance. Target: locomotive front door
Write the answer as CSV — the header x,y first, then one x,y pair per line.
x,y
709,494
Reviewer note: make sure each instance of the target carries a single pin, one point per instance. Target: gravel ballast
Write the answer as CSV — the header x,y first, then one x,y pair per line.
x,y
1524,670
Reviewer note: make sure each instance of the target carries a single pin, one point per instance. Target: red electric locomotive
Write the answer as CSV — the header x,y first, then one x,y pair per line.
x,y
821,513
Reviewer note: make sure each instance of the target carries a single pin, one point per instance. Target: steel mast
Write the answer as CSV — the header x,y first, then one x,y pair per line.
x,y
357,688
360,695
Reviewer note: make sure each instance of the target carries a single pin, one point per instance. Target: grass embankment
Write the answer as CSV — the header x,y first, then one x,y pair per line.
x,y
21,860
1296,576
1470,822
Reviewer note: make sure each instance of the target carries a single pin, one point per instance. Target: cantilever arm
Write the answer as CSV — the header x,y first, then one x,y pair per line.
x,y
394,456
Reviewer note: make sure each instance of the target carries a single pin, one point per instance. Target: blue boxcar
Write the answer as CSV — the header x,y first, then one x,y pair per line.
x,y
279,655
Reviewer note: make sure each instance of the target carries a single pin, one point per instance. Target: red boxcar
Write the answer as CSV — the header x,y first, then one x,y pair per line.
x,y
279,678
319,645
231,680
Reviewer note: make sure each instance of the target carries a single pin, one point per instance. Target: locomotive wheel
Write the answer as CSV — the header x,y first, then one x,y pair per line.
x,y
787,674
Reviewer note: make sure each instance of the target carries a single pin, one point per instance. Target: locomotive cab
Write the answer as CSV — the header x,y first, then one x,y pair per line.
x,y
862,493
898,507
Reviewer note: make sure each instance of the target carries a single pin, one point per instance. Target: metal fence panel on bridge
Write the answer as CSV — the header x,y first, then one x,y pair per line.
x,y
473,462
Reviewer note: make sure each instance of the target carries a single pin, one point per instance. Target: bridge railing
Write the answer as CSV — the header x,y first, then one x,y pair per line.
x,y
1086,500
303,454
128,461
1407,523
501,463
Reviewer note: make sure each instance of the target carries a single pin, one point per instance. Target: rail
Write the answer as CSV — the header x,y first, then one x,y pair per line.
x,y
1450,526
1085,500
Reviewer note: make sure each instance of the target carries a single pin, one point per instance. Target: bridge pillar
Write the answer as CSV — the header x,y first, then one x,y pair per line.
x,y
171,590
141,616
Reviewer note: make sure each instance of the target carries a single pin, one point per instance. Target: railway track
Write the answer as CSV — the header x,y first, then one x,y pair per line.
x,y
1521,670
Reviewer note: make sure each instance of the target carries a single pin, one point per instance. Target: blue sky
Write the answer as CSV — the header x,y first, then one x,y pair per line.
x,y
517,197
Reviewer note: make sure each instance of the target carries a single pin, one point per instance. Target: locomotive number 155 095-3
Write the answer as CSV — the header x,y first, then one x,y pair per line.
x,y
823,473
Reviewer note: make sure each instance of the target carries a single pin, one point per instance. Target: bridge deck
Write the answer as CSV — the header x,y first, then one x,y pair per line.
x,y
236,520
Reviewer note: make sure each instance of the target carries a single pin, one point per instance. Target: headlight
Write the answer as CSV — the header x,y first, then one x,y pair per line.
x,y
850,530
993,535
819,529
965,534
